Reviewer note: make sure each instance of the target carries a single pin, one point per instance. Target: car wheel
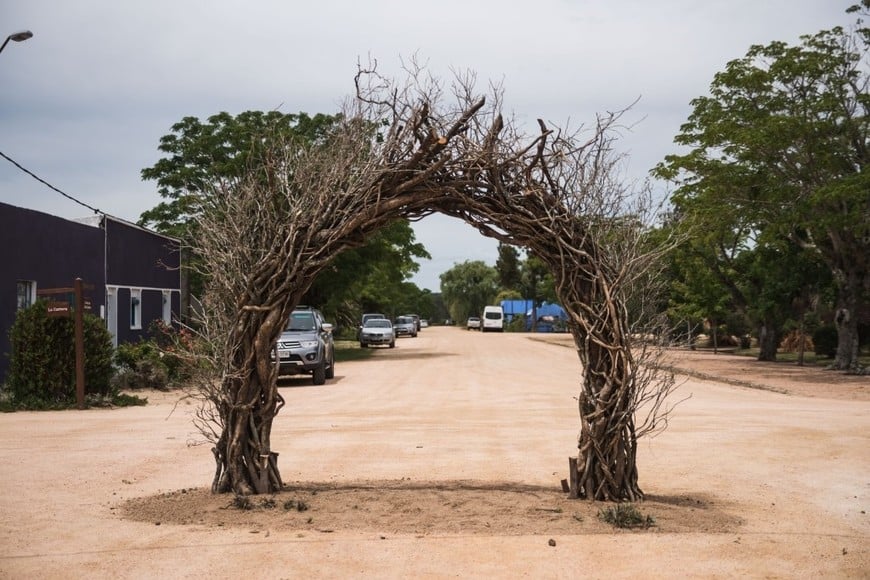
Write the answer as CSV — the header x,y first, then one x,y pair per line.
x,y
330,372
393,344
319,375
362,345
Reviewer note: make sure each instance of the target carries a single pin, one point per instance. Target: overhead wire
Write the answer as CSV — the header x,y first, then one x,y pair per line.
x,y
50,186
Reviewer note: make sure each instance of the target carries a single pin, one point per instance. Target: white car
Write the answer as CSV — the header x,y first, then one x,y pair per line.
x,y
473,323
377,331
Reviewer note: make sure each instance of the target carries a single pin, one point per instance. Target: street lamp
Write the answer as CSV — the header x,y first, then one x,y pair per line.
x,y
17,37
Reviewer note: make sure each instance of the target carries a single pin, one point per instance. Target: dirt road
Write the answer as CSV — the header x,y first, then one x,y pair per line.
x,y
442,458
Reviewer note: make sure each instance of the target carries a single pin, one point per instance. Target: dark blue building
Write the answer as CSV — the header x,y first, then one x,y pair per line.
x,y
132,275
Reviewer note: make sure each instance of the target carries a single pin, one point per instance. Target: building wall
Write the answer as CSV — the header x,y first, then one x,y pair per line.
x,y
120,260
136,257
143,264
50,251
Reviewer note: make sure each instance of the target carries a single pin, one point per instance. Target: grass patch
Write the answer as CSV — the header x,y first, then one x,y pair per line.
x,y
625,515
810,358
125,400
349,350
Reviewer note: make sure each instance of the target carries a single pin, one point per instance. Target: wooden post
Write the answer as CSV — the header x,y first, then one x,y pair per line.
x,y
573,479
80,343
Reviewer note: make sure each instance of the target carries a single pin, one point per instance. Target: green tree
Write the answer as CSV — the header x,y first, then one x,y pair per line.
x,y
217,153
781,144
373,278
536,284
697,294
508,266
468,287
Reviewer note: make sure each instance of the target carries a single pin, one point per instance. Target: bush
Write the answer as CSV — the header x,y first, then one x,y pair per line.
x,y
140,366
42,371
825,341
791,342
152,363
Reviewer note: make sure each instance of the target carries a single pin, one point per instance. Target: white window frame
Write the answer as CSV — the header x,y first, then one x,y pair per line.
x,y
135,309
167,307
30,291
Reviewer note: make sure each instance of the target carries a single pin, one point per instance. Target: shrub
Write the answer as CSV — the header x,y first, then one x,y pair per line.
x,y
791,342
42,370
825,341
151,363
140,366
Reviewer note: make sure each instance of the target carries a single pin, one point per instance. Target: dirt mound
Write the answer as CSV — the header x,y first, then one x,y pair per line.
x,y
422,508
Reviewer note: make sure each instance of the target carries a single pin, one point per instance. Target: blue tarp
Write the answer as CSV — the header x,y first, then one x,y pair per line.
x,y
513,308
551,317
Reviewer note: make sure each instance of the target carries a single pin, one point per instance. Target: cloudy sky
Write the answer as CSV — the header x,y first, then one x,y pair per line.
x,y
84,102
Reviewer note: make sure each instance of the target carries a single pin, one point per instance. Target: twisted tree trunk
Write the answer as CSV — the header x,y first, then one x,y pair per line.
x,y
247,405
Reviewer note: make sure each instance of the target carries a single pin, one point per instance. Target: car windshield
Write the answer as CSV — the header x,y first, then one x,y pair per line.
x,y
378,323
401,320
301,321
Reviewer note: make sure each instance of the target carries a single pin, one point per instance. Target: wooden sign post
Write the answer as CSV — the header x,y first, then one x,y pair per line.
x,y
80,343
61,307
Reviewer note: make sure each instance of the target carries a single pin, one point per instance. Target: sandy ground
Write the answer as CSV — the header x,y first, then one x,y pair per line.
x,y
442,458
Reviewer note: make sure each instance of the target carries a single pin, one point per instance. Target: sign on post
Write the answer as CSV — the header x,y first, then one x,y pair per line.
x,y
62,302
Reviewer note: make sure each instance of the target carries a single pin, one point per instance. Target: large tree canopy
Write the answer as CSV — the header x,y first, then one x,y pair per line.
x,y
468,287
780,151
201,156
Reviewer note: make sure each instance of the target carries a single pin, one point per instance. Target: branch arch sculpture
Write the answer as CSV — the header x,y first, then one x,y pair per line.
x,y
403,152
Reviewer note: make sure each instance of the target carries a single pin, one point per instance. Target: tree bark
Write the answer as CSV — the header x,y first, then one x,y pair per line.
x,y
768,341
846,320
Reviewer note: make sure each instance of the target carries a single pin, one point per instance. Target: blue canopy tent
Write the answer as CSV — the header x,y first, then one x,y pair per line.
x,y
551,318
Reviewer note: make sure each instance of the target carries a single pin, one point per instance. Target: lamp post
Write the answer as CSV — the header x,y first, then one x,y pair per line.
x,y
17,37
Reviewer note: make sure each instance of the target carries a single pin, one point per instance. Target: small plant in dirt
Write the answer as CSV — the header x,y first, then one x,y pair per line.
x,y
625,515
242,502
298,505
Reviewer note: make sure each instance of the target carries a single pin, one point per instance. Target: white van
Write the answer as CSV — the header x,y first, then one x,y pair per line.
x,y
492,319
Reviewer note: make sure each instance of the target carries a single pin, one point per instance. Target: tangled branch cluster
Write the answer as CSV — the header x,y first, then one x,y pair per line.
x,y
404,151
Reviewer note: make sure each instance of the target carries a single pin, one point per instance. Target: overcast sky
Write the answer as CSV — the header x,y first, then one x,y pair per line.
x,y
84,102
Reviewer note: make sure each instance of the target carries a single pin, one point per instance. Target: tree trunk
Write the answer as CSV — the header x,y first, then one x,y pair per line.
x,y
846,320
606,465
768,341
715,326
249,402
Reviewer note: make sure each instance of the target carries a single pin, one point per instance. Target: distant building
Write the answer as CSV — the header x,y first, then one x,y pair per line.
x,y
132,274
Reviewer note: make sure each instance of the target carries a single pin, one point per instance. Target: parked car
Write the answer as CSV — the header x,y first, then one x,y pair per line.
x,y
365,317
306,346
424,323
473,323
416,318
377,331
405,326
